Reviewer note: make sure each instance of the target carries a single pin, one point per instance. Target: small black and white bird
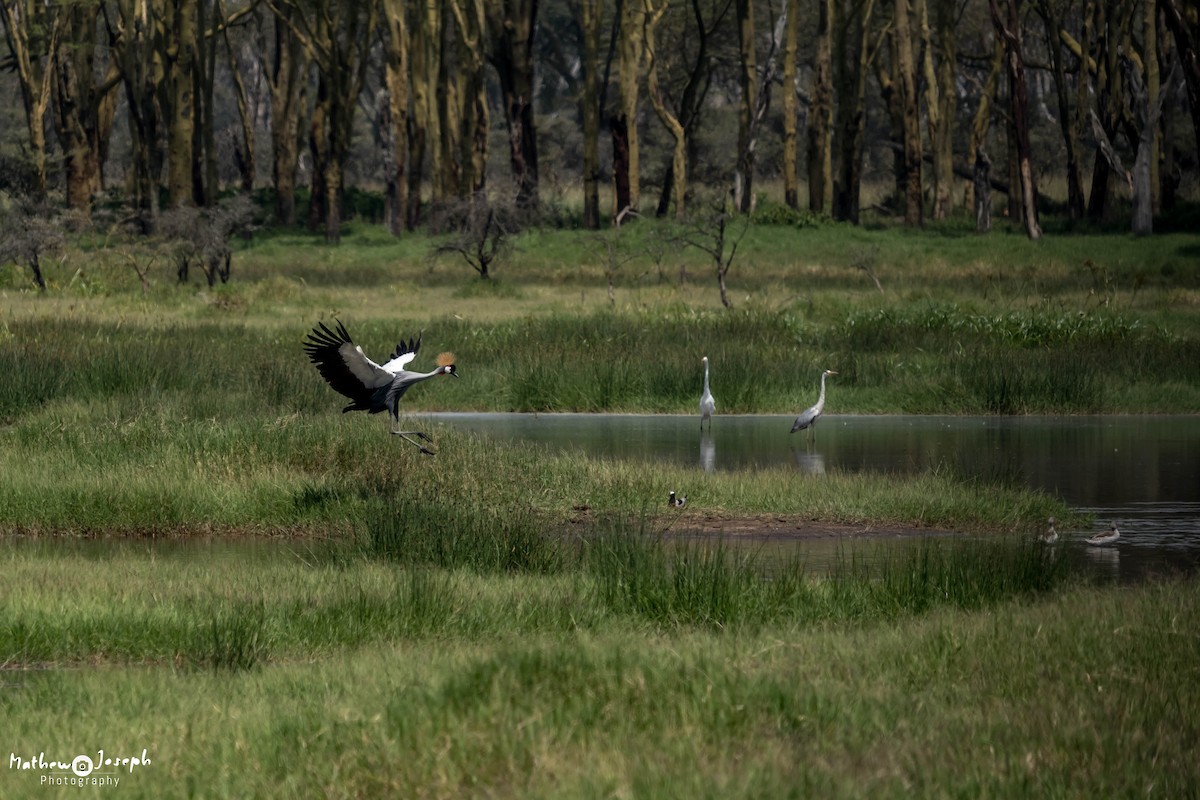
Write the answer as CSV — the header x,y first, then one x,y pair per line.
x,y
371,387
676,502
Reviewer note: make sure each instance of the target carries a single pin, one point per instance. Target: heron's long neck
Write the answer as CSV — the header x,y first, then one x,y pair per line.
x,y
821,398
706,391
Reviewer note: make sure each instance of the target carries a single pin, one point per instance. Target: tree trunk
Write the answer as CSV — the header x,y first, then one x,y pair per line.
x,y
514,23
691,103
743,179
425,61
1186,46
591,13
940,97
1051,15
914,211
396,71
852,67
983,192
23,20
1153,88
285,66
820,127
982,121
1146,112
791,49
1010,31
626,156
181,125
889,91
247,148
668,119
318,150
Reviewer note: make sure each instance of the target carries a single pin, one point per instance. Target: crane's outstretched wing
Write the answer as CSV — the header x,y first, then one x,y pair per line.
x,y
345,367
403,354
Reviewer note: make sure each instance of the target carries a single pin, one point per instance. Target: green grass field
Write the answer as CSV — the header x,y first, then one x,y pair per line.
x,y
381,623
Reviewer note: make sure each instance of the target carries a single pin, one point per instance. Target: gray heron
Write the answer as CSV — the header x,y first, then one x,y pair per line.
x,y
808,418
1051,534
708,406
1108,537
371,387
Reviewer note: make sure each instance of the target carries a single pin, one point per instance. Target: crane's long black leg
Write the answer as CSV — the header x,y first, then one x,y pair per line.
x,y
419,434
405,434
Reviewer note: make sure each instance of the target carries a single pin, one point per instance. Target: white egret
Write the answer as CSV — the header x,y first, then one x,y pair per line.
x,y
708,406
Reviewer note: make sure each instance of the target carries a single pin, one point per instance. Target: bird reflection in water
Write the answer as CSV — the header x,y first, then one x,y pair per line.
x,y
708,452
809,462
1105,560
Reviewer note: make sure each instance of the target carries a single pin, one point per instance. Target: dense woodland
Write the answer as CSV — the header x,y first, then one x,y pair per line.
x,y
621,108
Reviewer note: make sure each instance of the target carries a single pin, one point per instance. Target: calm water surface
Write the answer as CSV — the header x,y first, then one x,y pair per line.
x,y
1141,471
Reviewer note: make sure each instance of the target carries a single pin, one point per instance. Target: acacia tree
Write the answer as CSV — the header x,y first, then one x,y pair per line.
x,y
1186,45
940,95
629,36
590,23
337,37
396,121
791,49
748,139
820,115
654,16
1009,29
692,65
83,105
743,175
31,31
1052,13
914,211
141,47
285,67
853,57
467,111
179,63
246,153
512,26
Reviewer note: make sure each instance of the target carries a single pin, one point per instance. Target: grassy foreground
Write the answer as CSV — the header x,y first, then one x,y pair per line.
x,y
362,679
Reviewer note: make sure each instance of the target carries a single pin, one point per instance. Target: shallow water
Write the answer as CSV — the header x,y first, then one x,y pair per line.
x,y
1141,471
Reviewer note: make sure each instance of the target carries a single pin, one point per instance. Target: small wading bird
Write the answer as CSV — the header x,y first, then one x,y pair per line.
x,y
808,419
1108,537
676,502
708,406
1051,534
371,387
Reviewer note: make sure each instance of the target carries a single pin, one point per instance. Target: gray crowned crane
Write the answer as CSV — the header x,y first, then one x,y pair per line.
x,y
808,418
372,387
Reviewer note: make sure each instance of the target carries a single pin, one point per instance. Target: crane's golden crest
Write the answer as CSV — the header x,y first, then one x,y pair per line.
x,y
445,359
